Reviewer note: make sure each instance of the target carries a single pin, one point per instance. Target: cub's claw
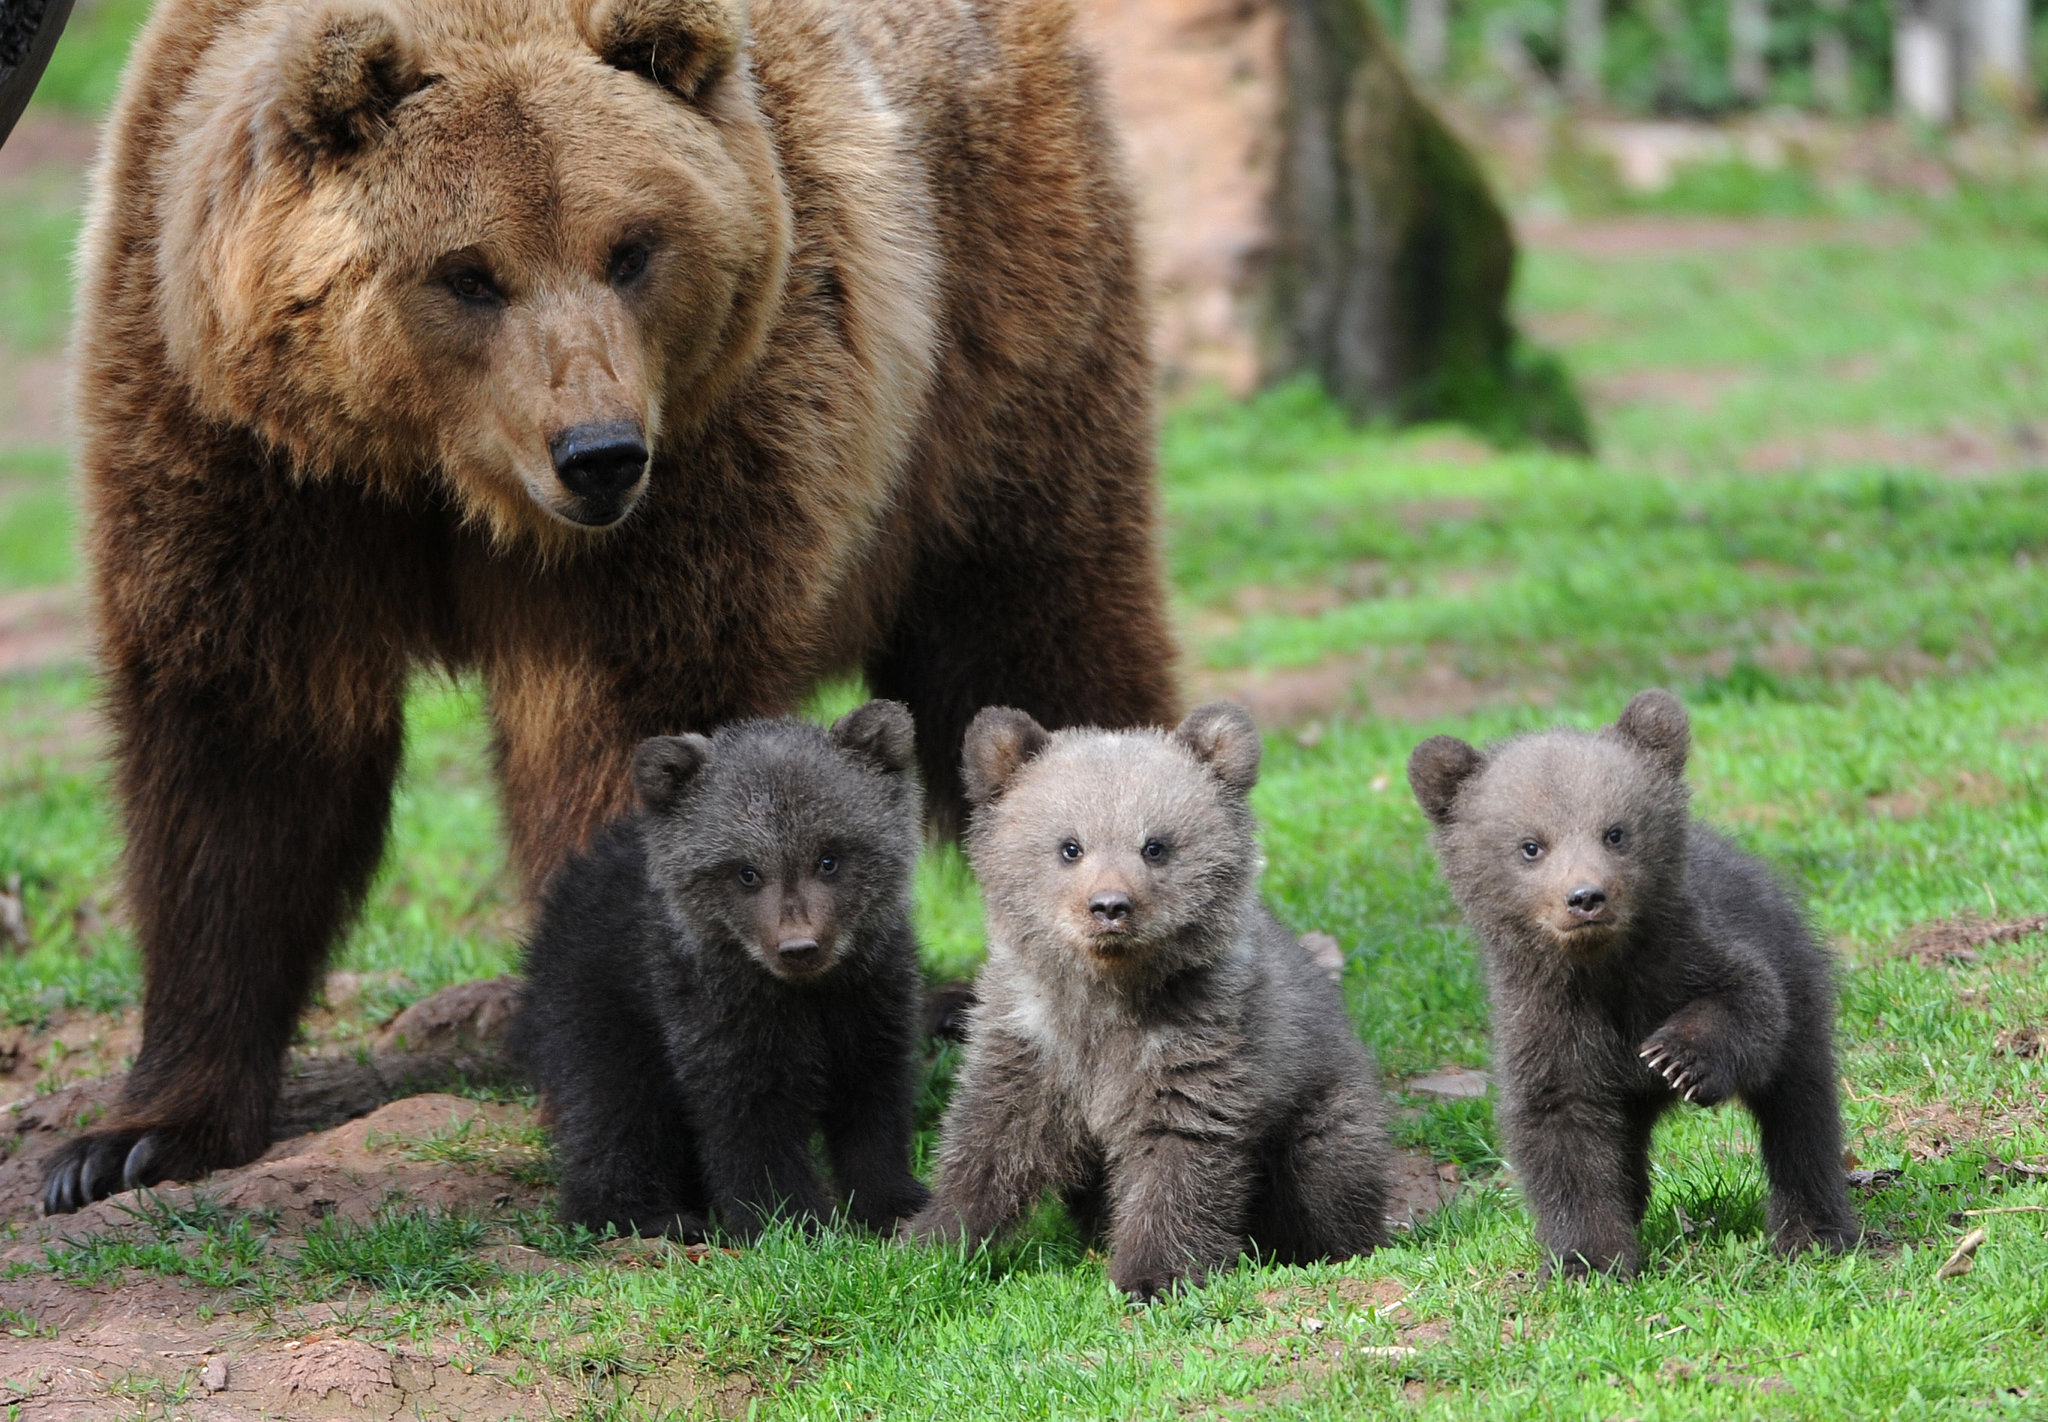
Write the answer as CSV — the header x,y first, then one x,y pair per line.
x,y
1679,1072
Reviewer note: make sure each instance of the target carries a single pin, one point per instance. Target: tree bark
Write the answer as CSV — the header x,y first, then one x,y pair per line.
x,y
1585,51
1392,258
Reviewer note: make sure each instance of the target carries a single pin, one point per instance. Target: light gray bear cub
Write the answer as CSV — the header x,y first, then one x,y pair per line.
x,y
1635,959
1149,1040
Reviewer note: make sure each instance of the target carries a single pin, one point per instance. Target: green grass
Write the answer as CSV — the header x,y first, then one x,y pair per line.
x,y
1860,638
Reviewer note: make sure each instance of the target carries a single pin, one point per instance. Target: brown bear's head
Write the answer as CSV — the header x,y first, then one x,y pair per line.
x,y
1562,840
516,243
1127,854
783,843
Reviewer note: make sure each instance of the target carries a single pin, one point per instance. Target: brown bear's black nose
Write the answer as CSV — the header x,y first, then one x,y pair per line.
x,y
1586,900
600,464
1110,907
797,952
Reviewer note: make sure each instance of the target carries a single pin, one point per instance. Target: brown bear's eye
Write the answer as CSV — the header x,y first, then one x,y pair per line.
x,y
1615,835
750,878
1070,851
1531,849
473,286
828,864
1154,851
628,262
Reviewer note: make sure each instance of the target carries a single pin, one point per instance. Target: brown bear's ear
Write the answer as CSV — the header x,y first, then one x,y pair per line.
x,y
1222,736
681,45
1655,723
664,766
342,70
1000,740
881,732
1436,769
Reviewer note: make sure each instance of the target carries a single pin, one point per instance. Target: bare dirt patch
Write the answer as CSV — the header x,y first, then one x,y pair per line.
x,y
46,140
40,628
1610,238
1957,452
1695,388
1959,940
1382,681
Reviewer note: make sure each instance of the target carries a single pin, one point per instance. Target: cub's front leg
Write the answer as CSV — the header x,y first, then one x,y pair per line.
x,y
1583,1169
1009,1136
1177,1211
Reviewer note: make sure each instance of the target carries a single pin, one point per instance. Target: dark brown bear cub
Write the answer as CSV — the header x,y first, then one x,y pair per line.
x,y
1149,1040
1634,958
728,973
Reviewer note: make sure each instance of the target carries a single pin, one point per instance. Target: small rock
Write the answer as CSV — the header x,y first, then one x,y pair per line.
x,y
215,1376
13,915
472,1014
1326,952
1452,1084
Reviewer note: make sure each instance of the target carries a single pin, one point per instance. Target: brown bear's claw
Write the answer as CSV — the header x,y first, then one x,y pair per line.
x,y
1675,1076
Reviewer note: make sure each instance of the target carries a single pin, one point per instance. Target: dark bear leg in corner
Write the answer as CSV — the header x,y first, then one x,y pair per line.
x,y
1073,639
246,859
1799,1127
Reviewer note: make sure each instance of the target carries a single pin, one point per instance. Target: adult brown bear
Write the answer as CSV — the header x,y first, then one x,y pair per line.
x,y
651,358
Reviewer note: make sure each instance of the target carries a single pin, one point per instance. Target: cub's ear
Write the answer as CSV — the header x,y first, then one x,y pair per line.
x,y
342,69
1000,740
682,45
1655,723
881,733
1222,736
664,766
1436,769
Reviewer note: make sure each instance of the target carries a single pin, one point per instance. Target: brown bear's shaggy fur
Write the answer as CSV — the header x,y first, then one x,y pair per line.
x,y
1635,959
1149,1040
386,304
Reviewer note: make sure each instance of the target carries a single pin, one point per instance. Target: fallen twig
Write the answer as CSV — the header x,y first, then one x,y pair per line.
x,y
1964,1259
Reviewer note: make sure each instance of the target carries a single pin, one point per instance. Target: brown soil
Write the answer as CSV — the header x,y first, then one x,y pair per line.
x,y
1958,452
1608,238
1697,389
1957,940
40,627
1369,681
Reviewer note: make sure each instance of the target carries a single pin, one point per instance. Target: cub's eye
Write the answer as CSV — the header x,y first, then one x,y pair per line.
x,y
474,287
1531,849
628,262
749,877
1154,851
1614,835
1070,851
828,864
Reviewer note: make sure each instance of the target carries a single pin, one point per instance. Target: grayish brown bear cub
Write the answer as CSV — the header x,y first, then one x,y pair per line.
x,y
732,971
1149,1040
1634,958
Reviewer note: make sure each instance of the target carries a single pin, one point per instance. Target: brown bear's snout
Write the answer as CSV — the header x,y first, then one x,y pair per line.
x,y
601,464
1111,909
1587,902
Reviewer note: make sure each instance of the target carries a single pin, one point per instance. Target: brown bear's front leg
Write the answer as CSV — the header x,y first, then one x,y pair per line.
x,y
1177,1212
247,855
1580,1162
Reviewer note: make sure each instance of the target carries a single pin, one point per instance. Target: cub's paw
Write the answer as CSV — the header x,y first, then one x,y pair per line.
x,y
1144,1281
1584,1263
1691,1073
885,1210
107,1162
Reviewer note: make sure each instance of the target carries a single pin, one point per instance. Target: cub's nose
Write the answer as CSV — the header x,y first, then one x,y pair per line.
x,y
600,464
1110,908
1586,900
798,953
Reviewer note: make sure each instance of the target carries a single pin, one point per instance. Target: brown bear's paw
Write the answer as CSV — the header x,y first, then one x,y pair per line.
x,y
1584,1262
884,1210
1685,1068
129,1158
1146,1280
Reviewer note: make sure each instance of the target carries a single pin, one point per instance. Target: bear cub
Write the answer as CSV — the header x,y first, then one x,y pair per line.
x,y
1635,959
731,971
1148,1039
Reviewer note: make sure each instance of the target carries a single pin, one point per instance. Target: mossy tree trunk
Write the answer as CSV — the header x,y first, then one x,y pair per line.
x,y
1392,259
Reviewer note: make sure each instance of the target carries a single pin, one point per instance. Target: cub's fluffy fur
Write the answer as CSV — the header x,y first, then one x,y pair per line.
x,y
731,971
1635,958
1149,1040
